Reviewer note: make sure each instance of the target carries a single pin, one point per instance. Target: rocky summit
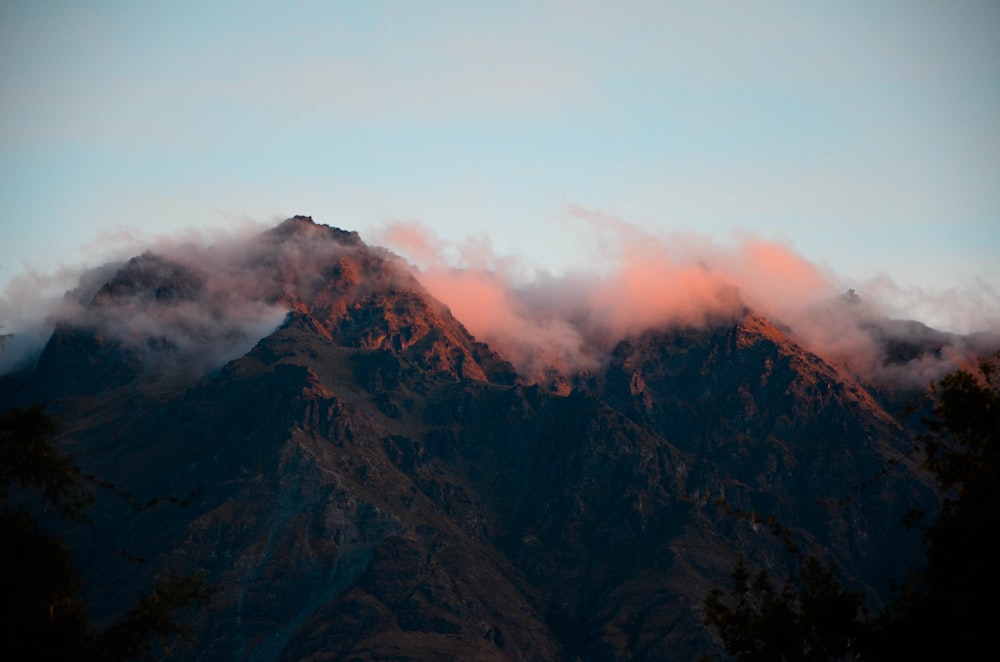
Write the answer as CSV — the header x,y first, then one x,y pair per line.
x,y
366,481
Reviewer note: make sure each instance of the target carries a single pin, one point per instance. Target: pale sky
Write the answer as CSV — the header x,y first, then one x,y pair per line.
x,y
864,135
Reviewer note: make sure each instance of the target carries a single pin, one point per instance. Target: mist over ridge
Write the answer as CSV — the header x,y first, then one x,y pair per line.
x,y
353,436
635,281
200,303
226,291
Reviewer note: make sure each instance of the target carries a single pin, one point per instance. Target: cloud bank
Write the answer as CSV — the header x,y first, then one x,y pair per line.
x,y
184,305
201,300
547,323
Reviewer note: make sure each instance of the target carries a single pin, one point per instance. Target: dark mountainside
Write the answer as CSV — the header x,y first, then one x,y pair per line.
x,y
372,483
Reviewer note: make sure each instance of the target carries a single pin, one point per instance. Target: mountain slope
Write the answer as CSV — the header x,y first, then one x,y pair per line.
x,y
368,481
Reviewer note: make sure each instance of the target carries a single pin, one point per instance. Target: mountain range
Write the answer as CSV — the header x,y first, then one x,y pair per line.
x,y
365,480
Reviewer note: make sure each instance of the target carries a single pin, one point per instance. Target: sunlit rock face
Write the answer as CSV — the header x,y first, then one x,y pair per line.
x,y
368,481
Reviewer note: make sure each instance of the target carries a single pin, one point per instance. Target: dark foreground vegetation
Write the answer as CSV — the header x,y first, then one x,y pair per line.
x,y
944,610
42,613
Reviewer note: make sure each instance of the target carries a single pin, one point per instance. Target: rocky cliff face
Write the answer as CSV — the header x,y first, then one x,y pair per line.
x,y
372,483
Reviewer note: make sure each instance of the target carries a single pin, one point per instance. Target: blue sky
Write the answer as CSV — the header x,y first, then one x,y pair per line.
x,y
865,135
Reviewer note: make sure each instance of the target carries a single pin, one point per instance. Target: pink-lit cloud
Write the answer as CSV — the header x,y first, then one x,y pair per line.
x,y
634,281
546,323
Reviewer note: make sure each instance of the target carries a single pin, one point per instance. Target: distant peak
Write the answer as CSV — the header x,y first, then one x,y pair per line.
x,y
152,276
304,226
296,222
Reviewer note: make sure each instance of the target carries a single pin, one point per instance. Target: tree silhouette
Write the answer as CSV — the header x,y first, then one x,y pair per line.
x,y
42,614
811,618
945,610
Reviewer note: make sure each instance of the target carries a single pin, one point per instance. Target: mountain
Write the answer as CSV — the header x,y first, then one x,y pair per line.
x,y
367,481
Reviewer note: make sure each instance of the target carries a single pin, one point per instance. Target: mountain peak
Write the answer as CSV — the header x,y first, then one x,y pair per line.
x,y
304,226
150,276
203,306
373,482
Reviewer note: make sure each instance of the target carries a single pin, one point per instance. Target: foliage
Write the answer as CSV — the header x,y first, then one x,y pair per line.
x,y
153,616
947,609
812,618
42,615
944,610
29,461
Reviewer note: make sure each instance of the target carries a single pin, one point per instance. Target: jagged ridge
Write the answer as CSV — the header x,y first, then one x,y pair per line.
x,y
376,484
